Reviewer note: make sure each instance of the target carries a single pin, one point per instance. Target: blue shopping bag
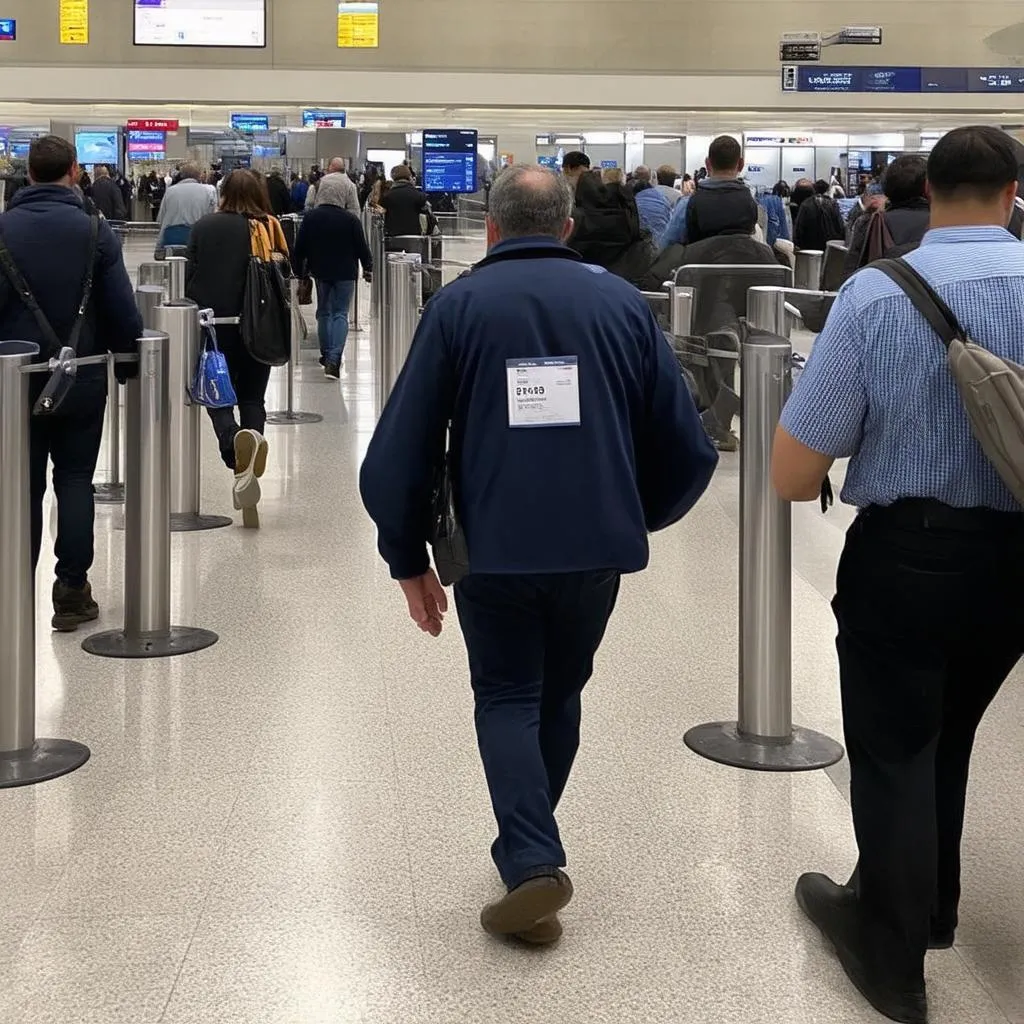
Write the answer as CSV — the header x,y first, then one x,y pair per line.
x,y
211,383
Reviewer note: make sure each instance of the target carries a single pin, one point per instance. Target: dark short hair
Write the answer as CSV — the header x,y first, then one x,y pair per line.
x,y
666,175
724,153
50,158
574,159
905,177
820,187
977,162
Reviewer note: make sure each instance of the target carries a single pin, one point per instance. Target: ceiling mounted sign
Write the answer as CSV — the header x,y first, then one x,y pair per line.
x,y
358,25
74,22
150,124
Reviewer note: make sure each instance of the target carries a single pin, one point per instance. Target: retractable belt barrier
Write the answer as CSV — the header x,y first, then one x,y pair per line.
x,y
290,416
763,737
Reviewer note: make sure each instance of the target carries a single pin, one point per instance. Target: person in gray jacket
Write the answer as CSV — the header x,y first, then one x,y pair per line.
x,y
339,181
184,204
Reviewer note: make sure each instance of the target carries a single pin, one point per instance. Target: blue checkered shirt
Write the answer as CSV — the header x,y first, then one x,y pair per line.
x,y
877,387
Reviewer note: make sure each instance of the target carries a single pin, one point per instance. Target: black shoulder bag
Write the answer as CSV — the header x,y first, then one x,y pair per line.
x,y
59,384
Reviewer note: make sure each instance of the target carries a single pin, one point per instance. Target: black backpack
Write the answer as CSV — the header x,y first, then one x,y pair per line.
x,y
266,310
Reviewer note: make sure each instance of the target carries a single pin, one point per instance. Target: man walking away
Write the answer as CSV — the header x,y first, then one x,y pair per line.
x,y
183,204
667,176
107,195
928,602
330,246
818,220
572,436
721,203
48,235
342,182
651,205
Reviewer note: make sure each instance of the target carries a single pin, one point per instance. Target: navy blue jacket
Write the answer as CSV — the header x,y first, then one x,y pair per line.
x,y
330,245
47,232
544,500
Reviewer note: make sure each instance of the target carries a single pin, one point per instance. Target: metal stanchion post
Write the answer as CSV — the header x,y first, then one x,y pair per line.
x,y
148,298
147,631
24,758
290,415
807,272
405,294
154,273
176,266
764,737
111,491
180,321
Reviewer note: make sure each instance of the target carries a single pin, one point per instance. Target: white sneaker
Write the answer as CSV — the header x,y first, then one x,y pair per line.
x,y
250,463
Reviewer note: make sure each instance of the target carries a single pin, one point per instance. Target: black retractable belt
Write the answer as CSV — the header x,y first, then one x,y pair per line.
x,y
63,376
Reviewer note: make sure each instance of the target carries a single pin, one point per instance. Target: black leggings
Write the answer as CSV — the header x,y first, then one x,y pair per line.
x,y
250,380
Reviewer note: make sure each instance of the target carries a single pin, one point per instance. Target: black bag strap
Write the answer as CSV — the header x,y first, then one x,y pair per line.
x,y
20,285
925,299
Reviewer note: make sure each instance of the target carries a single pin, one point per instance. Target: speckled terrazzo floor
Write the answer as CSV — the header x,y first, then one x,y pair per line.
x,y
292,827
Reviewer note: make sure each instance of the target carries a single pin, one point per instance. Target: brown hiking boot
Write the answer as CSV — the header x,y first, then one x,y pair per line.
x,y
530,906
72,606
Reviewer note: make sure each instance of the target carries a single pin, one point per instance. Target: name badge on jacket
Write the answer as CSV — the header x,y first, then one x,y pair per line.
x,y
543,392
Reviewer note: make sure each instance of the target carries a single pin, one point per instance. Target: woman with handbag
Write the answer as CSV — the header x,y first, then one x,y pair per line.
x,y
220,249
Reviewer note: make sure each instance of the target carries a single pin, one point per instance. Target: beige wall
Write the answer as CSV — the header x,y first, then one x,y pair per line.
x,y
602,36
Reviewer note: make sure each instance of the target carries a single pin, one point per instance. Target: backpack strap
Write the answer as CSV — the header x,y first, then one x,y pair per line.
x,y
20,285
925,299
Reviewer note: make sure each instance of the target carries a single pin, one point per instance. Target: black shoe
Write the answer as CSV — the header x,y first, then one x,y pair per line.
x,y
941,938
323,361
833,909
72,606
332,371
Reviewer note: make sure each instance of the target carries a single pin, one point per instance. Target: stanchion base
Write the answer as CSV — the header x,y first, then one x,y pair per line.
x,y
186,522
805,751
47,759
293,418
108,494
115,643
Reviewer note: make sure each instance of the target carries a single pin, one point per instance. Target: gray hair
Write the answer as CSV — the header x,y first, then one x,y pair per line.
x,y
337,164
529,200
642,173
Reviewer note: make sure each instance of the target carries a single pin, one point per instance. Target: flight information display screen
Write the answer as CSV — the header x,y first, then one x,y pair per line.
x,y
815,78
200,22
8,30
449,159
250,122
97,148
146,145
323,119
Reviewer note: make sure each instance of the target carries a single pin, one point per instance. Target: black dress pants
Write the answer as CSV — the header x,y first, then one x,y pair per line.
x,y
531,641
249,379
930,609
71,439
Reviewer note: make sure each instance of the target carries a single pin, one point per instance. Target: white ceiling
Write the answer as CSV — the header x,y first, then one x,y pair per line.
x,y
495,119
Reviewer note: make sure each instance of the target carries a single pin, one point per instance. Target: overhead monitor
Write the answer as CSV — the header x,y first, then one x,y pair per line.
x,y
449,160
147,145
250,122
8,30
323,119
201,23
97,147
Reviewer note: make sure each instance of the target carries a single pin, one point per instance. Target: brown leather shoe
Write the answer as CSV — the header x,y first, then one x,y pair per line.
x,y
534,903
543,933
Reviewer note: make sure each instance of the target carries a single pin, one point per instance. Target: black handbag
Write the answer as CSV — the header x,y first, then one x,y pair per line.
x,y
61,380
447,539
265,323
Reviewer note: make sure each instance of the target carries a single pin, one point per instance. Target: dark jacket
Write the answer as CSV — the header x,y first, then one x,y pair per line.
x,y
280,196
817,223
108,198
727,208
403,203
13,185
45,222
552,499
907,223
331,245
738,249
607,230
218,260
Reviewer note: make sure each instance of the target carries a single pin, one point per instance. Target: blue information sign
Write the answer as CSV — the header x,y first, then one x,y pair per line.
x,y
250,122
816,78
323,119
8,30
449,159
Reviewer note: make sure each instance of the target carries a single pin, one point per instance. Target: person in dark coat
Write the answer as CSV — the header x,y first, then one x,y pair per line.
x,y
818,220
15,181
48,235
279,193
403,203
107,196
905,216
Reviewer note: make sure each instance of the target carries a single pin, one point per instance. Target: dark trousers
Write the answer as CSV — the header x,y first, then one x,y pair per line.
x,y
930,610
249,379
71,439
531,641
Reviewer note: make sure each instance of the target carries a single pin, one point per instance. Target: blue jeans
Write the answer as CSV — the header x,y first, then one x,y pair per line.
x,y
333,299
531,641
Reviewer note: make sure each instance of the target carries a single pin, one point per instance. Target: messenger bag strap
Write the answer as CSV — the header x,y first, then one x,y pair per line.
x,y
90,270
925,299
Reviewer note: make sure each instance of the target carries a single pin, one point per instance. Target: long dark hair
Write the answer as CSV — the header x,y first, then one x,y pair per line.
x,y
244,193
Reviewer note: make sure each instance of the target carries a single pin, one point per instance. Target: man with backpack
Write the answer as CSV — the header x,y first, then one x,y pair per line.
x,y
818,221
899,228
53,248
929,603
